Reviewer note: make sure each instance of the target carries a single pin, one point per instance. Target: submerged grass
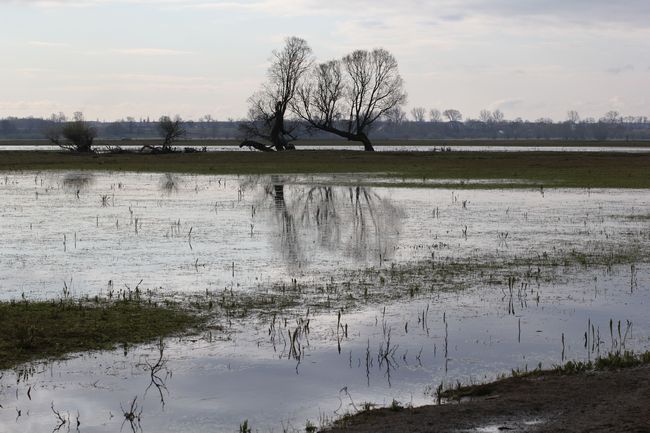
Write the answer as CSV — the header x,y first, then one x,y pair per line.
x,y
521,169
34,330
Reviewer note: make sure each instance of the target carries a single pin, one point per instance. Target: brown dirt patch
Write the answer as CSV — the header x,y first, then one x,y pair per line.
x,y
604,401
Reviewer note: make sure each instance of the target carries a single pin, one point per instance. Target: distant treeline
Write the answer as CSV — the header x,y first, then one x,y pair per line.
x,y
614,129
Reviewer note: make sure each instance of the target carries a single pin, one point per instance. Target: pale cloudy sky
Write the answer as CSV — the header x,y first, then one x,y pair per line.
x,y
118,58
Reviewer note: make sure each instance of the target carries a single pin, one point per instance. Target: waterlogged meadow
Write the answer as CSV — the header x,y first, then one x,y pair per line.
x,y
323,295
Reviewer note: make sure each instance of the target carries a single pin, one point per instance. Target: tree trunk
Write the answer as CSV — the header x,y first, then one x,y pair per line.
x,y
360,136
278,131
367,145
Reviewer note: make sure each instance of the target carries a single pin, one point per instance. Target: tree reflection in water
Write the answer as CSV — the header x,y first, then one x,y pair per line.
x,y
348,222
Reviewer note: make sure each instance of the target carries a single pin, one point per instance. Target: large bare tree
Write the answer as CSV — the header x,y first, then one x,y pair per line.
x,y
345,97
268,107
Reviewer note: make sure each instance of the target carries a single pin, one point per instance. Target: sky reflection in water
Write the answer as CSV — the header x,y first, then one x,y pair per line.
x,y
279,228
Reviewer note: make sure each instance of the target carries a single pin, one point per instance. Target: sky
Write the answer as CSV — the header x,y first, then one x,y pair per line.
x,y
145,58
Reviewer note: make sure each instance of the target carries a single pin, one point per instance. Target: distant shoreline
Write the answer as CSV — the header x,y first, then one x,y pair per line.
x,y
198,142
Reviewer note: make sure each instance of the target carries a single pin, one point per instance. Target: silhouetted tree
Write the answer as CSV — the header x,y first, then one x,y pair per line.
x,y
346,97
268,107
78,133
573,116
452,115
170,130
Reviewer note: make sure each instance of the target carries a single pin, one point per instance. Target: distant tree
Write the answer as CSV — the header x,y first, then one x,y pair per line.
x,y
418,114
58,117
268,107
78,133
395,117
346,97
170,130
452,115
498,116
485,116
573,116
434,115
612,117
7,127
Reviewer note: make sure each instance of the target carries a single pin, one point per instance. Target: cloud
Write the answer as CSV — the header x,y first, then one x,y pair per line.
x,y
150,52
47,44
616,70
507,104
551,12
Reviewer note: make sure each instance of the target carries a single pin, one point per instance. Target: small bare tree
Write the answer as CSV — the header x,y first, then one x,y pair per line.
x,y
418,114
612,117
573,116
434,115
485,116
78,133
346,97
268,107
452,115
170,130
498,116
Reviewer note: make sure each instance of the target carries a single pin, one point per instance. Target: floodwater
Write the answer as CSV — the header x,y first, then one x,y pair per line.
x,y
97,232
385,148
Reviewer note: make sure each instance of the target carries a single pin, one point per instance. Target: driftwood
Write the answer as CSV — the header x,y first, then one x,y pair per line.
x,y
256,145
157,149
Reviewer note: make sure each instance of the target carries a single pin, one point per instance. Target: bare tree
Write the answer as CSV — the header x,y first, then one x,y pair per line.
x,y
452,115
170,130
418,113
573,116
78,133
612,117
434,115
396,116
485,116
268,107
346,97
498,116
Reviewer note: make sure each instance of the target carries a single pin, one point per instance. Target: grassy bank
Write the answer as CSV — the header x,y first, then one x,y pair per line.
x,y
34,330
609,394
548,169
307,143
612,361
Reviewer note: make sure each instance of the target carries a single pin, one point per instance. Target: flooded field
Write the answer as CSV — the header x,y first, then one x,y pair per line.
x,y
380,148
390,292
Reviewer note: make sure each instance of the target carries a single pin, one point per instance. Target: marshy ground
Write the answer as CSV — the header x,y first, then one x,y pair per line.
x,y
331,290
547,169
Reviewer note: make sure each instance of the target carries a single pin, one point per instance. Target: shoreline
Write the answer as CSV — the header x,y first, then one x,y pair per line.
x,y
520,169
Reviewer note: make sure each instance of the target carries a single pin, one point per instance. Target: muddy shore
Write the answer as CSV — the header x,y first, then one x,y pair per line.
x,y
603,401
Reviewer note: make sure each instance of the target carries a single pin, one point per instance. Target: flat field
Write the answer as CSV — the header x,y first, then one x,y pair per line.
x,y
516,169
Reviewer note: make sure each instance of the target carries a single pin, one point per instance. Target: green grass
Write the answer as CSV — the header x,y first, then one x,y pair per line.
x,y
306,143
36,330
526,169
